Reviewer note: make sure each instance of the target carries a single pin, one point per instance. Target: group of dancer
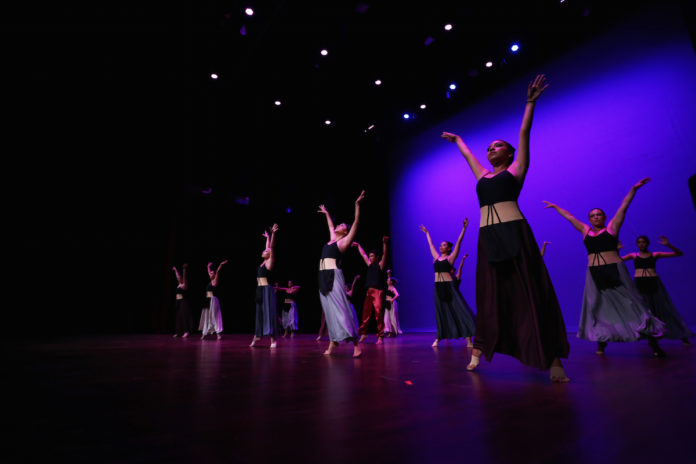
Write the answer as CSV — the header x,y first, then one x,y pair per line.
x,y
517,310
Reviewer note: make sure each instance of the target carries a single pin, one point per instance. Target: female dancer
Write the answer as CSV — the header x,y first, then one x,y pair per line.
x,y
289,316
266,306
653,291
453,316
612,308
391,310
350,289
517,310
458,283
211,316
184,322
340,315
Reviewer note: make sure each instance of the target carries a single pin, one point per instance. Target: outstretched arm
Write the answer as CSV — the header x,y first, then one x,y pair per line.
x,y
461,265
668,254
383,261
543,248
362,253
345,242
453,256
176,273
628,256
271,244
519,167
476,168
617,221
433,251
580,226
329,222
185,282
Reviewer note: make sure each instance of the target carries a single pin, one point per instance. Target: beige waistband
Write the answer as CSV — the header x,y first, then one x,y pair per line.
x,y
288,301
604,257
443,277
645,272
179,296
327,263
209,294
505,211
261,281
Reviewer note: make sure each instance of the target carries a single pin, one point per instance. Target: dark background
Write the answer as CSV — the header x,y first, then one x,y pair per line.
x,y
114,131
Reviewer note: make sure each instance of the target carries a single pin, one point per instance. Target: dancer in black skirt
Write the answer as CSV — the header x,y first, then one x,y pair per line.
x,y
653,290
266,306
453,316
517,312
184,321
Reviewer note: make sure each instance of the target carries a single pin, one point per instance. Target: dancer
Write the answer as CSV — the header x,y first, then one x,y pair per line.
x,y
612,308
375,282
340,317
289,313
266,306
453,316
184,322
211,315
653,290
350,289
391,309
517,312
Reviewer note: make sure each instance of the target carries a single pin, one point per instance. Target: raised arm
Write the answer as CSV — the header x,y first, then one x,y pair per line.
x,y
461,265
580,226
543,248
383,261
628,256
667,254
176,273
345,242
433,251
362,253
617,221
453,256
185,282
329,222
476,168
271,244
519,167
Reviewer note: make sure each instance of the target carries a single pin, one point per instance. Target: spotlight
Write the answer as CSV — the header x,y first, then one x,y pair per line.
x,y
448,27
489,64
213,76
327,122
249,12
514,47
378,82
406,116
423,106
324,52
277,103
453,86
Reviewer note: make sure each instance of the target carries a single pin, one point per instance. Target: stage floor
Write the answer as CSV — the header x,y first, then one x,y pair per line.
x,y
154,398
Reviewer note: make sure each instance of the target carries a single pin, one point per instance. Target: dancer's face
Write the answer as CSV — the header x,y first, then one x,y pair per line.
x,y
445,248
372,257
642,244
266,253
498,153
597,218
341,230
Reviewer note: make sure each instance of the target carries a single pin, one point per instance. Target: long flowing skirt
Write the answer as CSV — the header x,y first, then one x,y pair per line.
x,y
339,313
266,312
184,320
289,317
453,316
616,314
656,297
391,318
517,311
211,317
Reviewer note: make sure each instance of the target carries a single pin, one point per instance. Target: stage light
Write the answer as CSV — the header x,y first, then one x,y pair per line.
x,y
327,122
515,47
453,86
423,106
448,27
277,103
378,82
249,12
489,64
213,76
324,52
406,116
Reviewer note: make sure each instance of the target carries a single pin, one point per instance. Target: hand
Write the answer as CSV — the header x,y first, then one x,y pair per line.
x,y
385,239
466,256
536,87
422,227
547,243
355,244
663,240
450,137
548,204
641,183
322,209
224,262
210,264
360,198
174,269
274,228
265,234
466,222
388,272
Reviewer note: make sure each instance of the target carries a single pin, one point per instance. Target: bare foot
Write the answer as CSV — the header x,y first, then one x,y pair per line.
x,y
475,359
436,342
356,351
330,349
379,341
558,375
175,335
202,336
185,335
218,336
274,344
362,338
253,341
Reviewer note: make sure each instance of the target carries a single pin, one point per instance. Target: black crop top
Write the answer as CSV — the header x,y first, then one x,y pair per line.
x,y
330,250
262,271
375,277
442,265
601,242
210,288
644,263
180,291
501,187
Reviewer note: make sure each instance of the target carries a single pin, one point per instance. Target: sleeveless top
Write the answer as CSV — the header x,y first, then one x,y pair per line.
x,y
501,187
645,263
502,240
211,288
326,276
442,266
181,291
374,277
330,250
262,271
604,241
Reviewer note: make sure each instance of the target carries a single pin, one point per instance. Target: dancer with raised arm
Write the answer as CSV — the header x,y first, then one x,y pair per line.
x,y
375,282
517,311
183,321
289,312
340,316
391,309
453,316
266,305
653,290
350,290
612,308
211,315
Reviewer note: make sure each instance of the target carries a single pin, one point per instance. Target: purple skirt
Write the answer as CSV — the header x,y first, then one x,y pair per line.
x,y
517,311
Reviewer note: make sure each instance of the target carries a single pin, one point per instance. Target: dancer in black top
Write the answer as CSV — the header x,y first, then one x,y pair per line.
x,y
653,290
392,328
266,306
211,315
612,308
184,321
517,312
289,312
375,282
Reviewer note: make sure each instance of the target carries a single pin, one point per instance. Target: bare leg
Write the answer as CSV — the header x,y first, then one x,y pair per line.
x,y
254,340
330,348
469,344
475,359
273,342
436,342
356,349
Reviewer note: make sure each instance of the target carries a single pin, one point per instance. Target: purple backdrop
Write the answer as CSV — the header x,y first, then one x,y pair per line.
x,y
618,109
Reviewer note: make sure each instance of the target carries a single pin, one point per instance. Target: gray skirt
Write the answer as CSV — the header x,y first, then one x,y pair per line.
x,y
616,314
266,312
338,312
659,302
211,317
289,316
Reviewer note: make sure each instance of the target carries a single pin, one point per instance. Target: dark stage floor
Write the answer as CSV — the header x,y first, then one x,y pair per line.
x,y
152,398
